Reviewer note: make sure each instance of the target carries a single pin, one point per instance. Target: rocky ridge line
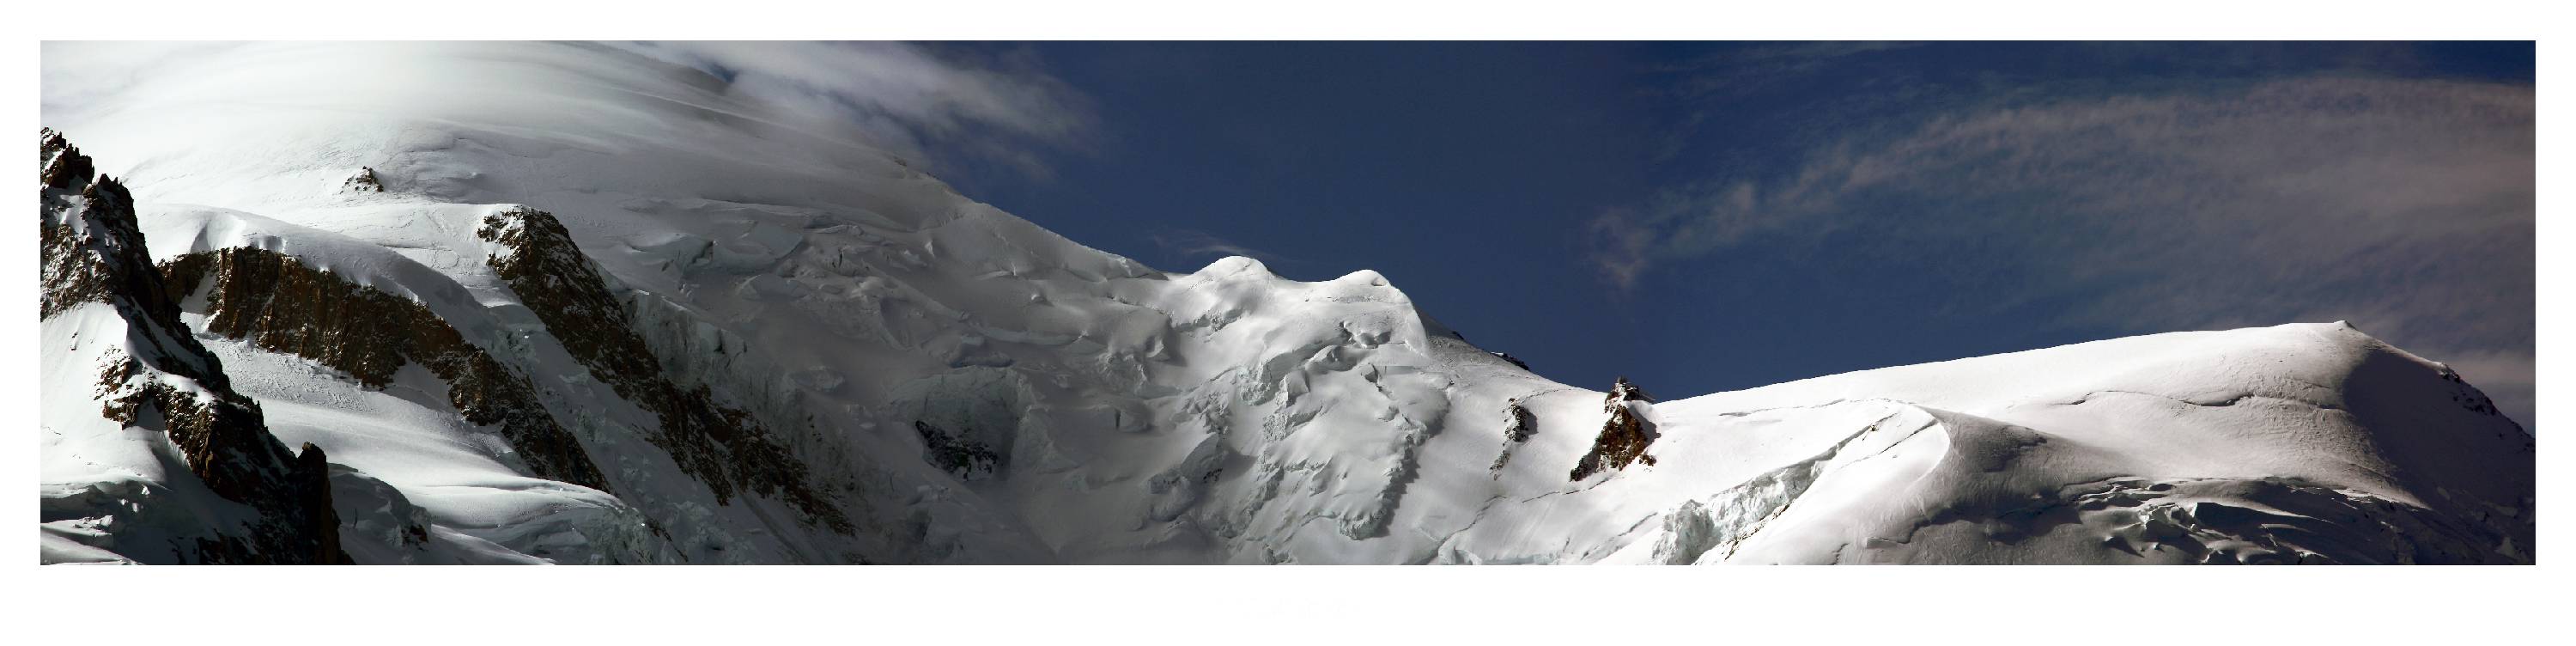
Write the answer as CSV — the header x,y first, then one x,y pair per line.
x,y
715,444
93,252
279,304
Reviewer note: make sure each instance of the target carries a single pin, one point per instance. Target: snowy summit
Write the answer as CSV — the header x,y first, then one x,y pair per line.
x,y
592,308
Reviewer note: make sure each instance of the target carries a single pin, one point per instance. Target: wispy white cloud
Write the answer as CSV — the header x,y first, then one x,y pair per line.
x,y
934,108
906,98
1193,244
2405,206
1738,74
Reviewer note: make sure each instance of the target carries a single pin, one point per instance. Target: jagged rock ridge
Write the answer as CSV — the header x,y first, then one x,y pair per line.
x,y
873,322
163,380
719,445
282,305
1624,435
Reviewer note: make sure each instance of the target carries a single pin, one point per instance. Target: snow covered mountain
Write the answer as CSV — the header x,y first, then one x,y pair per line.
x,y
580,306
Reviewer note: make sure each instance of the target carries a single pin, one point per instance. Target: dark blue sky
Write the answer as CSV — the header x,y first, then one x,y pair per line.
x,y
1705,217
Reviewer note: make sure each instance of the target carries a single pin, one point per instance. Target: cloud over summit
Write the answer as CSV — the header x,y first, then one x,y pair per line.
x,y
907,98
2405,206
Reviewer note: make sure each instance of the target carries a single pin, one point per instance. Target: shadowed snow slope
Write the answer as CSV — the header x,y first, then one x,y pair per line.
x,y
849,362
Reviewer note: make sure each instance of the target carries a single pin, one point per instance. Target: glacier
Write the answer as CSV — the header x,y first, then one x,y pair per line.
x,y
776,343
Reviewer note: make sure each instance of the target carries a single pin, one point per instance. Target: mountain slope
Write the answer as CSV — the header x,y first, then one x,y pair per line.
x,y
151,456
591,308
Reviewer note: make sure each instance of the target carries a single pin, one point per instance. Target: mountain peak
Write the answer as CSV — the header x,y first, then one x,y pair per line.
x,y
615,315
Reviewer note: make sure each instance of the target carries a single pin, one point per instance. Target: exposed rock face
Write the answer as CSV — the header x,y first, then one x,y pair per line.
x,y
164,380
1624,435
363,182
964,456
65,169
1518,425
281,305
90,239
313,470
717,445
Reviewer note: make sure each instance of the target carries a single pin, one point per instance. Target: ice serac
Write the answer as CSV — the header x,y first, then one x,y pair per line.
x,y
719,446
594,308
208,484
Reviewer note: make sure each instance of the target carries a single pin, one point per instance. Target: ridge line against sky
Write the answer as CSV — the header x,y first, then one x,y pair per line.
x,y
1715,216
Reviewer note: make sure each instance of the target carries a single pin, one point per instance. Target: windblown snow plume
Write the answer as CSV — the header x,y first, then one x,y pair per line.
x,y
568,303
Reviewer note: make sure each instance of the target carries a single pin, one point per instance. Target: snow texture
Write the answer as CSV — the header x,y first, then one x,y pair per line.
x,y
969,387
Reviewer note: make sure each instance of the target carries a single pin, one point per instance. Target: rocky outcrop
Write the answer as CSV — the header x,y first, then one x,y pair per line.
x,y
720,446
279,304
1518,423
90,240
957,454
1624,436
163,380
364,181
1518,426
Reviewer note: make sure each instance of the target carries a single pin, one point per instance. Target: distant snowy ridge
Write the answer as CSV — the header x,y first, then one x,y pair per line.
x,y
591,309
